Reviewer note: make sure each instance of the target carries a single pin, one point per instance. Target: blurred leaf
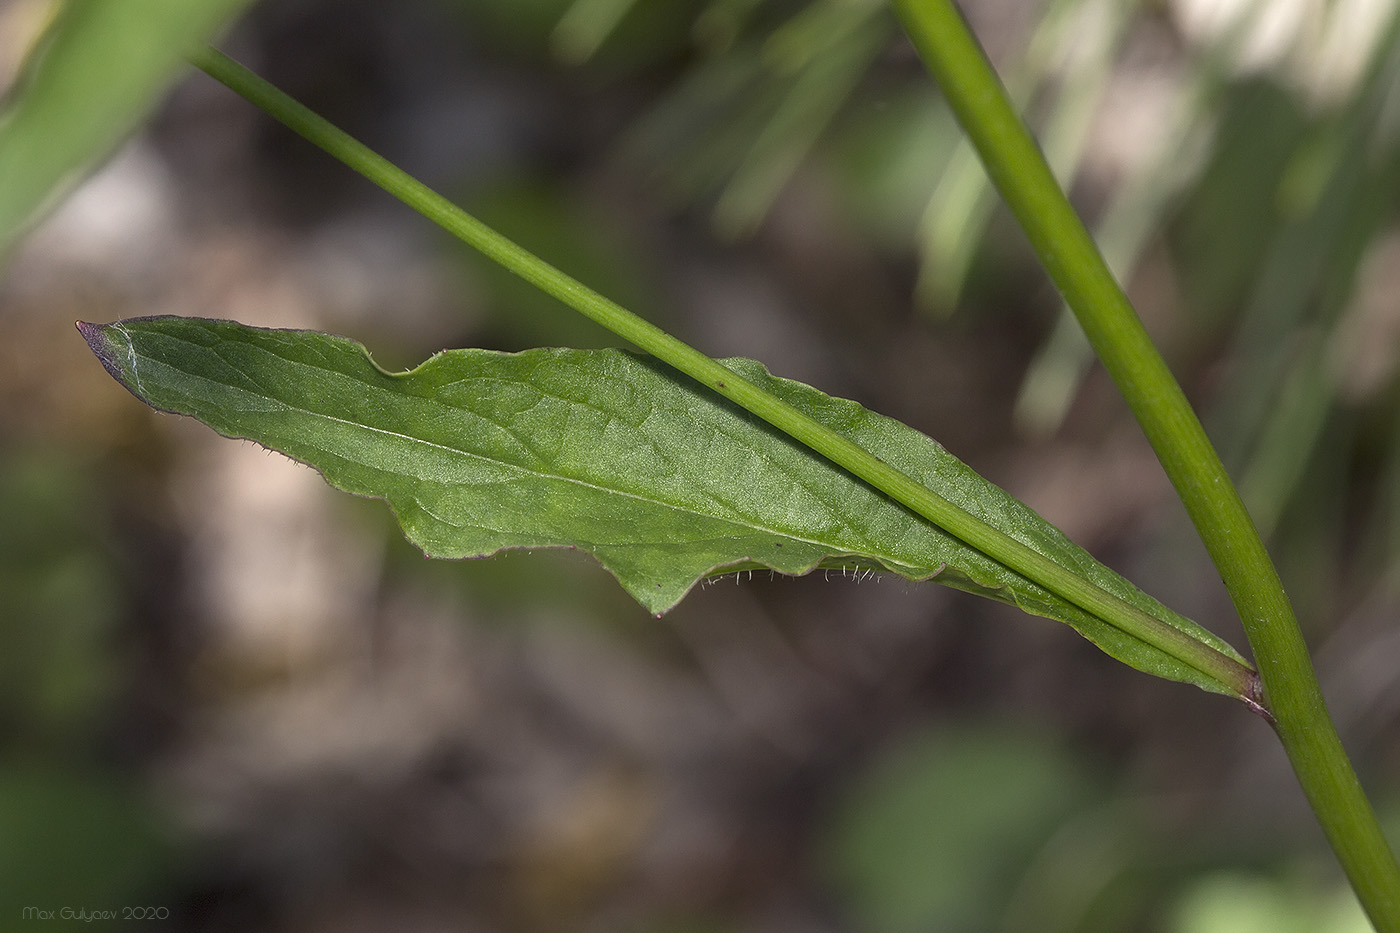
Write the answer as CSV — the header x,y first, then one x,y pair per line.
x,y
662,481
74,840
58,600
96,74
1236,903
936,831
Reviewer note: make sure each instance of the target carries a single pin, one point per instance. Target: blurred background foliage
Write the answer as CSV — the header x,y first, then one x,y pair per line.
x,y
231,694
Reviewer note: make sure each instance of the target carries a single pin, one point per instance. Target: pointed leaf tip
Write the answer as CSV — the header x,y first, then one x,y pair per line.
x,y
101,347
89,331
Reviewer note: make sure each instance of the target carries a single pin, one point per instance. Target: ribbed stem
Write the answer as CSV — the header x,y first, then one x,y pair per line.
x,y
1062,242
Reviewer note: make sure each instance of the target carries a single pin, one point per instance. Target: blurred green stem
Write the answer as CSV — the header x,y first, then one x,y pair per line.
x,y
1291,691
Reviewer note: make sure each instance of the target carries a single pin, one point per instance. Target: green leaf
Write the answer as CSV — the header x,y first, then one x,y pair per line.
x,y
616,454
97,71
926,834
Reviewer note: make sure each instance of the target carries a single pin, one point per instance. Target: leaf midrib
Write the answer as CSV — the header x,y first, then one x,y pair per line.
x,y
887,559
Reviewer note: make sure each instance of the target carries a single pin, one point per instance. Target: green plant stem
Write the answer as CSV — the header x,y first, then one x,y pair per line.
x,y
1230,673
1291,690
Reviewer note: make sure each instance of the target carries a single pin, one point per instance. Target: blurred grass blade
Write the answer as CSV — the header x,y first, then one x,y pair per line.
x,y
721,22
1291,436
695,137
1134,214
1073,46
821,84
94,75
745,118
1337,189
585,26
662,480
